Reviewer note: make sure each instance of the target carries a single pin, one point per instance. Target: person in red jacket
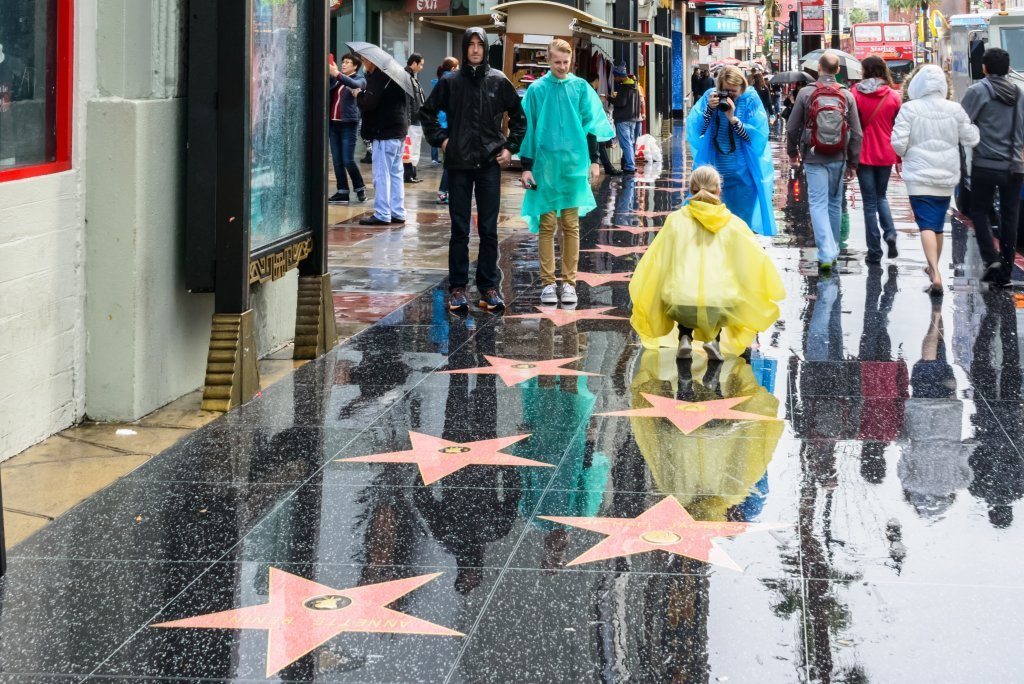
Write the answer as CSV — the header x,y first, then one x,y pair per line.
x,y
878,102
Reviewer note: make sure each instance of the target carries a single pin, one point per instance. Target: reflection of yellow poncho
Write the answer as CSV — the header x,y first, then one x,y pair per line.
x,y
714,468
706,271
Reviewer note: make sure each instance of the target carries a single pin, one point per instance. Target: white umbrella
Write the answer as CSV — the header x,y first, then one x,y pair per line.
x,y
386,63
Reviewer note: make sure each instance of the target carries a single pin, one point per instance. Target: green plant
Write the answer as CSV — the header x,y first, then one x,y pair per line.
x,y
858,15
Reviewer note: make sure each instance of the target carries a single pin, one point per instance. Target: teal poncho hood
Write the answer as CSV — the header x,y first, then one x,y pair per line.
x,y
560,113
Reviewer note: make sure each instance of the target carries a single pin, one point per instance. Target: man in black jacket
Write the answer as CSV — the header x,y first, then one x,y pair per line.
x,y
475,101
626,110
385,124
413,67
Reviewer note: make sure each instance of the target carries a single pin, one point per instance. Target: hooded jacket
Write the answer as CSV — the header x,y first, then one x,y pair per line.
x,y
993,104
928,132
385,108
798,133
877,106
626,103
475,99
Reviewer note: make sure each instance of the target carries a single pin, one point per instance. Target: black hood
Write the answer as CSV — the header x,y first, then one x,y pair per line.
x,y
1003,89
480,69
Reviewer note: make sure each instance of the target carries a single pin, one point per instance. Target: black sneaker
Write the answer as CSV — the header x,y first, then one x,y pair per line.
x,y
361,195
337,198
893,252
993,273
490,300
373,221
398,220
457,302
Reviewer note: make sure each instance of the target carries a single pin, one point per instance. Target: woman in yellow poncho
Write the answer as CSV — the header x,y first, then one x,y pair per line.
x,y
706,272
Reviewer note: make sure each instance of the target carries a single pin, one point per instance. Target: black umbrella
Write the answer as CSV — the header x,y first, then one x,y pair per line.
x,y
384,62
791,77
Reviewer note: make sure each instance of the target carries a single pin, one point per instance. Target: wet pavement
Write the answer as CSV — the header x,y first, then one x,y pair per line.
x,y
841,508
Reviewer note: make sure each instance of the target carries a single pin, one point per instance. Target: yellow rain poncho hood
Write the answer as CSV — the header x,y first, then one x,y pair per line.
x,y
706,271
560,113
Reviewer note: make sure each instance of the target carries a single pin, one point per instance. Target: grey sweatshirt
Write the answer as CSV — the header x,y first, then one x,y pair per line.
x,y
797,134
992,105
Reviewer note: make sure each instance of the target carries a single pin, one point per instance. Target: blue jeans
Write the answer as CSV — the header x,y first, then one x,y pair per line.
x,y
825,196
626,131
435,153
388,179
874,184
343,136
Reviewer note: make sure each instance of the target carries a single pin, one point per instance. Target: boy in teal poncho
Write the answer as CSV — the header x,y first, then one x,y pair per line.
x,y
565,122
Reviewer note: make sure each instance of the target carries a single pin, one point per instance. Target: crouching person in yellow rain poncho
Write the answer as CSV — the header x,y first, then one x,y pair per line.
x,y
706,273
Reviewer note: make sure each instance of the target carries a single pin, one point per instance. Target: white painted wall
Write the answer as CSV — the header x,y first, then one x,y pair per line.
x,y
94,317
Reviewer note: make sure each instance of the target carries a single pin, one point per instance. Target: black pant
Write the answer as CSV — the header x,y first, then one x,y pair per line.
x,y
984,183
487,185
602,153
343,154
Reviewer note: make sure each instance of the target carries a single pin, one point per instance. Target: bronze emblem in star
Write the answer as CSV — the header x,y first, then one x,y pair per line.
x,y
515,371
666,526
438,458
688,415
302,615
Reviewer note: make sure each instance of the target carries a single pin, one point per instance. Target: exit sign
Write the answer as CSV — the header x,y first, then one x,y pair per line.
x,y
427,6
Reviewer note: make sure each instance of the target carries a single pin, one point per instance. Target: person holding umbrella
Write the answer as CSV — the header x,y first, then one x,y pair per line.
x,y
385,110
476,99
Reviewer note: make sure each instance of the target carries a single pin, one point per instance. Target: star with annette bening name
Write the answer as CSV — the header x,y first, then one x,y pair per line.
x,y
599,279
666,526
618,251
514,371
302,615
438,458
562,317
690,415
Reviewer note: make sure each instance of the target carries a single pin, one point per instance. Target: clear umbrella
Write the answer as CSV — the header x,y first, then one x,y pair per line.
x,y
385,62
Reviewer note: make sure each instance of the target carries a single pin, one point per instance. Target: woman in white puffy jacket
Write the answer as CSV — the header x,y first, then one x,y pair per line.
x,y
928,132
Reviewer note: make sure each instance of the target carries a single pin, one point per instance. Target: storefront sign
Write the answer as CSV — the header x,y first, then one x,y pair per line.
x,y
812,16
427,6
720,26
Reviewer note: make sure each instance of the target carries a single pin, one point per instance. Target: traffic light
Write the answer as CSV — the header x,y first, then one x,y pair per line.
x,y
793,26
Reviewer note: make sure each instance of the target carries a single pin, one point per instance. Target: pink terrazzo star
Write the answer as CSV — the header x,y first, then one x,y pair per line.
x,y
562,317
651,214
666,526
689,416
302,615
599,279
514,371
438,458
635,230
618,251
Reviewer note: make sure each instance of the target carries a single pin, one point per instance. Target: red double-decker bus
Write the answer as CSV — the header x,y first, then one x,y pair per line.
x,y
892,42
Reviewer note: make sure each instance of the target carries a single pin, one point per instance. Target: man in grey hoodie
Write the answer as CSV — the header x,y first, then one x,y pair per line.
x,y
996,105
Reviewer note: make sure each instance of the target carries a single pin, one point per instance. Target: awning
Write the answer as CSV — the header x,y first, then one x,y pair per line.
x,y
459,23
617,34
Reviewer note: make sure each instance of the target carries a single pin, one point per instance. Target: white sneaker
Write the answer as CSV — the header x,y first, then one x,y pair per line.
x,y
713,351
568,294
549,295
685,348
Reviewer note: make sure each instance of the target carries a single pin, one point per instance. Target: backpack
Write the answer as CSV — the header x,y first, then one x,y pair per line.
x,y
826,119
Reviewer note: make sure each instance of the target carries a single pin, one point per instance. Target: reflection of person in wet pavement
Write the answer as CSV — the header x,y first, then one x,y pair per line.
x,y
556,413
883,380
998,468
934,464
473,506
718,471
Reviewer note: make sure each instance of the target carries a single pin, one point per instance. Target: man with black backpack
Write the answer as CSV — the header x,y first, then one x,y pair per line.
x,y
824,131
996,106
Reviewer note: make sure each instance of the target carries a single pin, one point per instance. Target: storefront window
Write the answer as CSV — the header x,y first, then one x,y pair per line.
x,y
35,87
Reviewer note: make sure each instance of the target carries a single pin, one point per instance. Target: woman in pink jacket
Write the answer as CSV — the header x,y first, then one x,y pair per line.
x,y
878,102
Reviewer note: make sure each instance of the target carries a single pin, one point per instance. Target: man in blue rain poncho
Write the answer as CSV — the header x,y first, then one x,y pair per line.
x,y
564,123
728,129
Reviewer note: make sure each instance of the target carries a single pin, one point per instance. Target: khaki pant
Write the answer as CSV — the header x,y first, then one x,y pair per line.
x,y
570,223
